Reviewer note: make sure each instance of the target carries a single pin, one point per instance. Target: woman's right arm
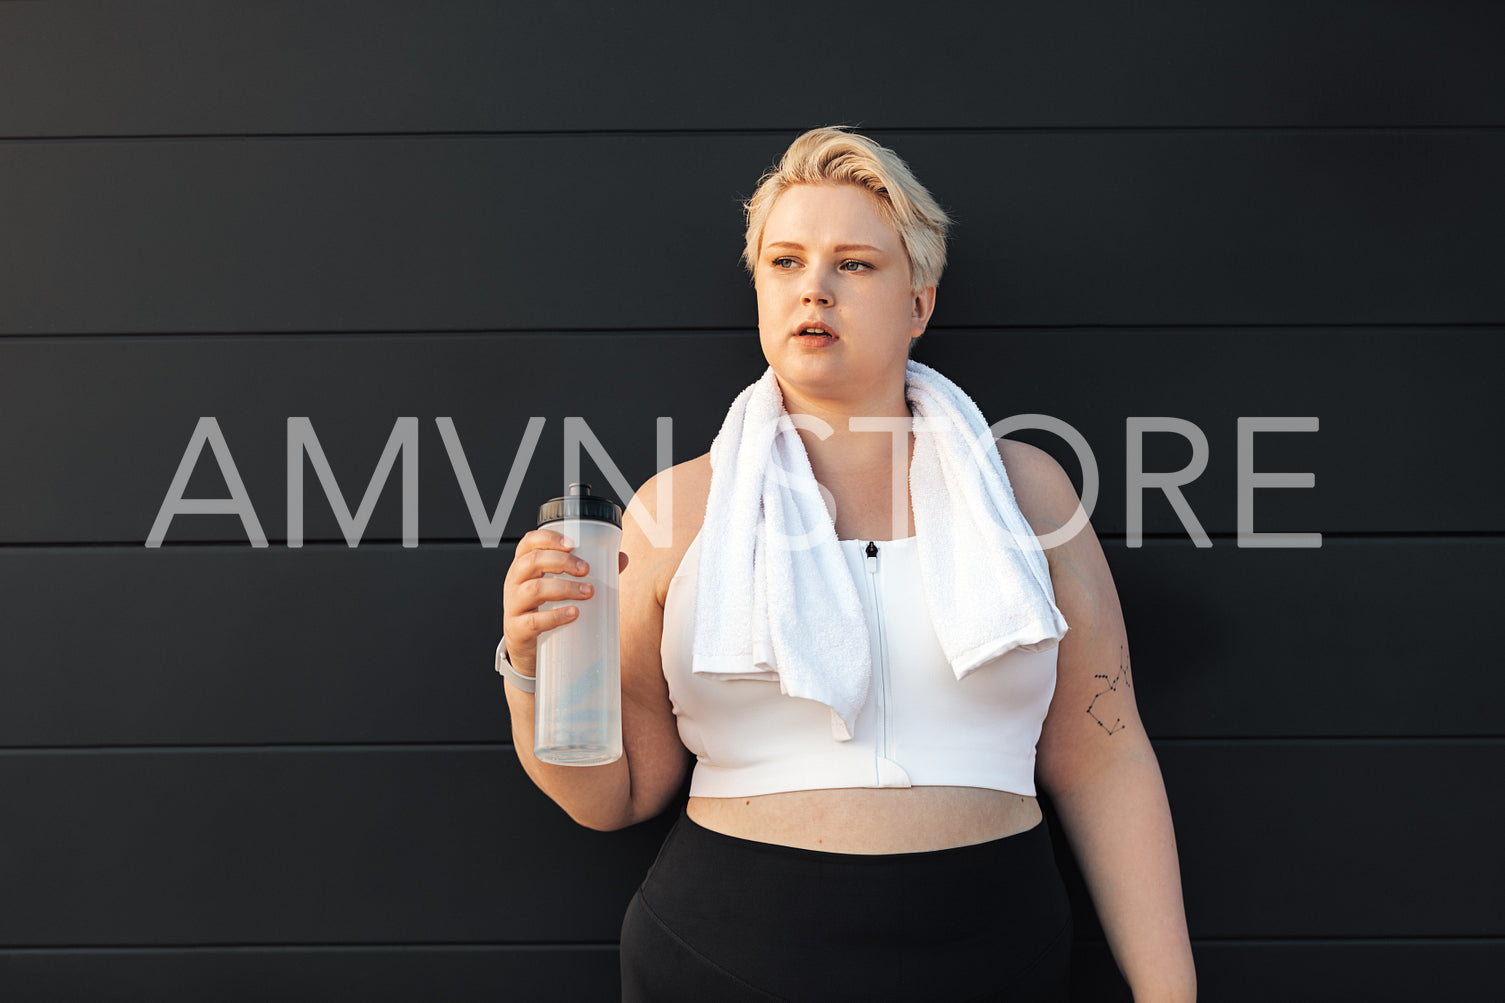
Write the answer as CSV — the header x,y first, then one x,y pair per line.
x,y
640,784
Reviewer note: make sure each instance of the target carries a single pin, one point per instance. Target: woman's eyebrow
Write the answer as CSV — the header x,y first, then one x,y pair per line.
x,y
839,247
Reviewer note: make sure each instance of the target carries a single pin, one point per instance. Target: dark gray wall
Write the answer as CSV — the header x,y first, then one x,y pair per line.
x,y
233,772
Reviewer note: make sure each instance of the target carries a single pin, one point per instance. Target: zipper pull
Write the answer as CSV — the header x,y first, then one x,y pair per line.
x,y
872,557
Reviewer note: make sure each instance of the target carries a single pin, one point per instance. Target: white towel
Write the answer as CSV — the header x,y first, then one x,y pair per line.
x,y
775,599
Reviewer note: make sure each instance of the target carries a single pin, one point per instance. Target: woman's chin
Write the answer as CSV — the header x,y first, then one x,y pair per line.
x,y
805,370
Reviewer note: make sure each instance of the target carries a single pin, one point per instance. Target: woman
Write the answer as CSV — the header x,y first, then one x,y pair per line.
x,y
901,854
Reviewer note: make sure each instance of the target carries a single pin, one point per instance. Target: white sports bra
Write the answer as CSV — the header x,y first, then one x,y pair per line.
x,y
920,726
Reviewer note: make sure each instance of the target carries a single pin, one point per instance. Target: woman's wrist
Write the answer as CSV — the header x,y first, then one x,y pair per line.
x,y
508,672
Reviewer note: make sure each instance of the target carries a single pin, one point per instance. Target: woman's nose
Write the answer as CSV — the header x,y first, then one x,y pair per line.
x,y
817,293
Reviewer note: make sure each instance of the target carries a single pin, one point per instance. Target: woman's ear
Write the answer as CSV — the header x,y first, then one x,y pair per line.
x,y
922,306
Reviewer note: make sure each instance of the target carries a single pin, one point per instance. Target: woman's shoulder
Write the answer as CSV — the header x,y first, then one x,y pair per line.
x,y
659,534
1041,486
686,485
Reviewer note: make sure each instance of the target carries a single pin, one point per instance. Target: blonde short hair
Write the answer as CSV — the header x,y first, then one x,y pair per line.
x,y
832,155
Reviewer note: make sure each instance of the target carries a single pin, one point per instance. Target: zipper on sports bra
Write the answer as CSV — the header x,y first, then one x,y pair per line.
x,y
883,690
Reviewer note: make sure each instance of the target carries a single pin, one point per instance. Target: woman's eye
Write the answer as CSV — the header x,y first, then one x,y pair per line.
x,y
785,264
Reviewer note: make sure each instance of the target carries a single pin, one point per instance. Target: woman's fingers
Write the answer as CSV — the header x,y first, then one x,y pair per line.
x,y
528,585
547,619
536,591
542,550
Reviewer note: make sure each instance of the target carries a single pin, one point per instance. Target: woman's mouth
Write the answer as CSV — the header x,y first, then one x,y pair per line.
x,y
816,333
814,339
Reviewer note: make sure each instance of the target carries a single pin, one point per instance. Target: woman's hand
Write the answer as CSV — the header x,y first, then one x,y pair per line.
x,y
540,554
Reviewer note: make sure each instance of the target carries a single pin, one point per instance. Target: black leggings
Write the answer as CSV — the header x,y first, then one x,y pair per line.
x,y
724,919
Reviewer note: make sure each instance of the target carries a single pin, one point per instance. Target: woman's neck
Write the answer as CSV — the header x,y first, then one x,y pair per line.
x,y
852,438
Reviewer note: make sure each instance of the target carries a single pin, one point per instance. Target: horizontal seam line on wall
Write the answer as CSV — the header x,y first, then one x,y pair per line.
x,y
1398,535
296,948
355,747
739,331
982,130
253,748
1375,941
611,945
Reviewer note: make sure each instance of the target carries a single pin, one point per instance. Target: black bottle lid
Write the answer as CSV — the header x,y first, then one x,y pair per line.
x,y
580,504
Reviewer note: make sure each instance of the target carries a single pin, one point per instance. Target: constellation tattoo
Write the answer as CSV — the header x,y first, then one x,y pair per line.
x,y
1111,686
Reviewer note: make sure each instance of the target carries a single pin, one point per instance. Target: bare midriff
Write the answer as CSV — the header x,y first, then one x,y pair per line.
x,y
870,819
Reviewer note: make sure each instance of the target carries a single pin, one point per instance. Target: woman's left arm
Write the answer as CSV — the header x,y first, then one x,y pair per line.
x,y
1094,758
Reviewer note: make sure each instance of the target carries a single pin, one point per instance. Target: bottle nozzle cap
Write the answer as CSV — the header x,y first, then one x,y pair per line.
x,y
578,503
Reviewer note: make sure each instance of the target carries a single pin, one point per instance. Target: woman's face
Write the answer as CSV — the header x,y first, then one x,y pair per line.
x,y
829,258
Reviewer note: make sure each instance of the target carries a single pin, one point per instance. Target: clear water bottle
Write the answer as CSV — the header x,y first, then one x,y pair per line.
x,y
578,699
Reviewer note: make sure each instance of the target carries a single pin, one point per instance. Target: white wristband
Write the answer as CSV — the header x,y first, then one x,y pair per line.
x,y
504,666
